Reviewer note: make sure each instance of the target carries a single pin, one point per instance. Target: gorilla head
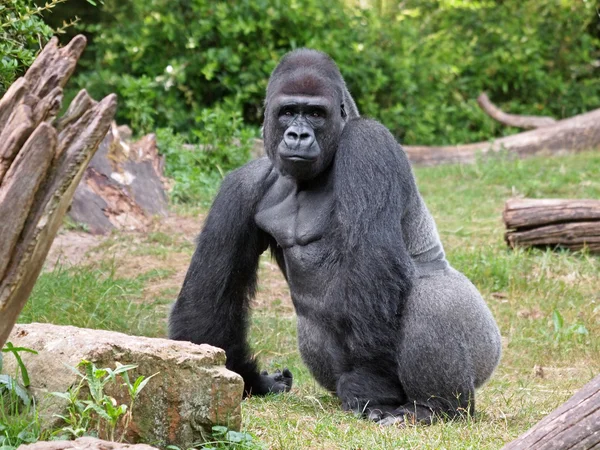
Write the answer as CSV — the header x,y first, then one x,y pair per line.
x,y
306,108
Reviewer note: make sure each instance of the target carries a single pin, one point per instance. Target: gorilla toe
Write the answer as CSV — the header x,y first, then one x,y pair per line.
x,y
406,415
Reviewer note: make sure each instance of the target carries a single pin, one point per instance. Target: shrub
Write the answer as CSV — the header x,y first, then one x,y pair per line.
x,y
22,32
223,143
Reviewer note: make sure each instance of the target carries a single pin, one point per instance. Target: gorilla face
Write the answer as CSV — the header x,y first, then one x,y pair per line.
x,y
305,125
304,115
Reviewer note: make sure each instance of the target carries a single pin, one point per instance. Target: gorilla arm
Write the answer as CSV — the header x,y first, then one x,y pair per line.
x,y
373,183
213,304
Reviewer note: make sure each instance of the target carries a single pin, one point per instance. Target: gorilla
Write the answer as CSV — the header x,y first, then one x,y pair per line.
x,y
384,321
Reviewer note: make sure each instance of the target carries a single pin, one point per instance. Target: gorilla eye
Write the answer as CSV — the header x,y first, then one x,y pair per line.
x,y
287,113
317,114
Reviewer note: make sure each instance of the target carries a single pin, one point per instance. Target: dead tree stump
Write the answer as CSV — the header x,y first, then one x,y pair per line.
x,y
574,425
42,160
573,224
123,186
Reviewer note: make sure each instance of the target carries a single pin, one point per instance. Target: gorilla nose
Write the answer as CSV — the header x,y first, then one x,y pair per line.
x,y
298,137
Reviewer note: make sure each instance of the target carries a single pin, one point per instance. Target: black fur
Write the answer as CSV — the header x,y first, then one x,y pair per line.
x,y
383,320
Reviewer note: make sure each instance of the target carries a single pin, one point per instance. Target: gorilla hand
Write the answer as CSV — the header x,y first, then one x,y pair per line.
x,y
274,383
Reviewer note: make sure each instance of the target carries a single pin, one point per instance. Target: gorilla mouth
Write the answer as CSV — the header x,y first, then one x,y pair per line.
x,y
299,158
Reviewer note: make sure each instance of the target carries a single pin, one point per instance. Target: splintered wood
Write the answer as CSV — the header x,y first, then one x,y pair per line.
x,y
572,224
42,160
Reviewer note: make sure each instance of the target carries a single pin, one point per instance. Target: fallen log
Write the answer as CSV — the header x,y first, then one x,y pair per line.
x,y
574,425
41,164
512,120
575,134
573,224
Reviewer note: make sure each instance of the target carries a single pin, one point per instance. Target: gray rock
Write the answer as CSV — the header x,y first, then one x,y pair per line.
x,y
84,443
192,392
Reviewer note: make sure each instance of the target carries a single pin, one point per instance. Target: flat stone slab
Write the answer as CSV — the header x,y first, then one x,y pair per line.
x,y
192,392
84,443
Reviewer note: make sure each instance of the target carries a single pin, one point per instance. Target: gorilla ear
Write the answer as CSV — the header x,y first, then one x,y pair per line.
x,y
343,108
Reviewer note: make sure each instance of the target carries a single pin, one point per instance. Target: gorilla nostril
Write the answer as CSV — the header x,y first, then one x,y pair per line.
x,y
305,136
292,135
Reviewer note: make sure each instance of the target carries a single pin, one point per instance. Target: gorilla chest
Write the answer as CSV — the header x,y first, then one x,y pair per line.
x,y
297,219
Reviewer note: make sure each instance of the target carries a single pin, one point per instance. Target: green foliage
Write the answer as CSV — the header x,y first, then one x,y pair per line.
x,y
563,332
18,420
9,384
99,414
223,438
223,143
22,31
418,68
201,54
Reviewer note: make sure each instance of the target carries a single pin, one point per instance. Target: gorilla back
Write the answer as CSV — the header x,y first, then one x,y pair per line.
x,y
384,322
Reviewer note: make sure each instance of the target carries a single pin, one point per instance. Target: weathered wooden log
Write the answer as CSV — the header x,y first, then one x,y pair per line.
x,y
40,168
578,133
574,425
572,224
512,120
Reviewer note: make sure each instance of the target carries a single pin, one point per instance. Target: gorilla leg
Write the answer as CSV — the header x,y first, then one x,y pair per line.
x,y
449,345
319,352
370,391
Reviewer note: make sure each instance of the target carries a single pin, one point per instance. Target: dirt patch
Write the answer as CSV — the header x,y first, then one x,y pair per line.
x,y
71,248
186,226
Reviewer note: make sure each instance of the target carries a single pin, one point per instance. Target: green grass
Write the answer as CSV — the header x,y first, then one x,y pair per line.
x,y
94,297
547,304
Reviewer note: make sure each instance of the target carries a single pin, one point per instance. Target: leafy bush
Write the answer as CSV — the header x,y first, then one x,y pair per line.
x,y
417,67
22,31
223,143
201,54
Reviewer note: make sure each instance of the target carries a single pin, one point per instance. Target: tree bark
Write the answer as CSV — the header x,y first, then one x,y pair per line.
x,y
41,163
578,133
573,224
574,425
512,120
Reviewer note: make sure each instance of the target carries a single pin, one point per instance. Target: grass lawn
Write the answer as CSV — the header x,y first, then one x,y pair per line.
x,y
546,303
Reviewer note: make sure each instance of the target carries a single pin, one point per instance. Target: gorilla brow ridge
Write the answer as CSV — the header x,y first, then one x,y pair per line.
x,y
308,83
306,72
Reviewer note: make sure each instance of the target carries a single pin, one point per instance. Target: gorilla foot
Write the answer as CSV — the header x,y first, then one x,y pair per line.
x,y
378,412
276,382
405,415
